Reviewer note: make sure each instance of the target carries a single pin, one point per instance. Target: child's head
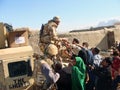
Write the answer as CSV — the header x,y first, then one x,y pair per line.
x,y
107,61
75,41
73,59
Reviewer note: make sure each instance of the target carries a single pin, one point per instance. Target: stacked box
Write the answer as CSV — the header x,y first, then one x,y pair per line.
x,y
2,35
18,38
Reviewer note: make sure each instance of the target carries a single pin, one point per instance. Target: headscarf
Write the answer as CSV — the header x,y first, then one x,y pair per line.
x,y
78,75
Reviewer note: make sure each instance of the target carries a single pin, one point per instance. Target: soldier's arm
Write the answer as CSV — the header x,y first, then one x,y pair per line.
x,y
53,33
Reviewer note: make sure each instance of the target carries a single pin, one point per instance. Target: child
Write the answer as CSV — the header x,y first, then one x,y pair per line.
x,y
104,80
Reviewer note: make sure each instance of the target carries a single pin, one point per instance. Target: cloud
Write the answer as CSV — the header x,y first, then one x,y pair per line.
x,y
108,22
104,22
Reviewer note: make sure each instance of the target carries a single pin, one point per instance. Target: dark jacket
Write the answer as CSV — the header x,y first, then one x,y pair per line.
x,y
83,54
104,80
64,82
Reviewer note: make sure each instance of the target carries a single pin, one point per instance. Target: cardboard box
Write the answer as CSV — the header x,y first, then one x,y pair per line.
x,y
2,36
18,38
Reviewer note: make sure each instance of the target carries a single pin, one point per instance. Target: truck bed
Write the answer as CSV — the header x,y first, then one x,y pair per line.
x,y
15,52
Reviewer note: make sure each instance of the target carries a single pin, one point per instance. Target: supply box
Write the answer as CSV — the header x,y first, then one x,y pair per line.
x,y
18,38
2,35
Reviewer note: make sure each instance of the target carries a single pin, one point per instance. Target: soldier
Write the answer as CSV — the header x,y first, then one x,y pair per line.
x,y
49,34
48,37
49,40
45,76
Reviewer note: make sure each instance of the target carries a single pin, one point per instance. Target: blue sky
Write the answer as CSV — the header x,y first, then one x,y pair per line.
x,y
74,14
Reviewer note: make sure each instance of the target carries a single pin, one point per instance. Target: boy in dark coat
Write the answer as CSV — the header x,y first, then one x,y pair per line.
x,y
104,80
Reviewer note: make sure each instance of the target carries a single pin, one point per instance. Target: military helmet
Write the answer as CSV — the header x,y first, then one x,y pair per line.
x,y
56,18
52,50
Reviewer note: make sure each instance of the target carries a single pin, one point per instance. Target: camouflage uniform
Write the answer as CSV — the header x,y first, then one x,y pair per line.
x,y
49,38
44,76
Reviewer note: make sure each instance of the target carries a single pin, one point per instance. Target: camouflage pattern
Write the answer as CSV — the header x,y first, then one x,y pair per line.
x,y
49,39
49,33
40,80
50,44
52,50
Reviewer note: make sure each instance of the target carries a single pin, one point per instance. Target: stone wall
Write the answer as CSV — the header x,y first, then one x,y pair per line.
x,y
98,37
117,33
94,38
